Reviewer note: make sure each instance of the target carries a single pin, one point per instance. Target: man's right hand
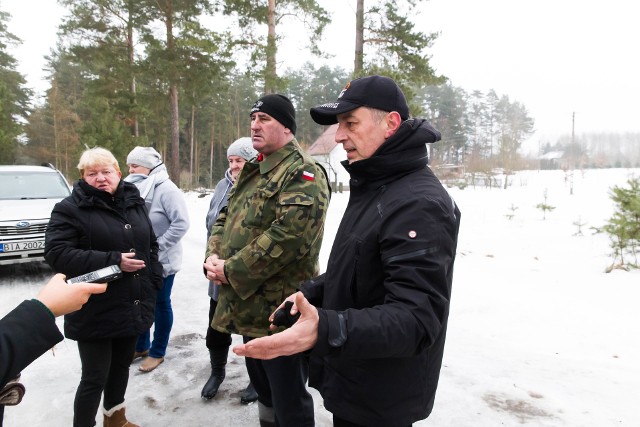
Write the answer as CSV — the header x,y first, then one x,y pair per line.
x,y
300,337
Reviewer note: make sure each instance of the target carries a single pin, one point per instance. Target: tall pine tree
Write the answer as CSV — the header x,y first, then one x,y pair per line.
x,y
263,45
14,96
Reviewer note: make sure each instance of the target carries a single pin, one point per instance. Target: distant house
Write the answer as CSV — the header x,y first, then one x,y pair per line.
x,y
552,160
329,154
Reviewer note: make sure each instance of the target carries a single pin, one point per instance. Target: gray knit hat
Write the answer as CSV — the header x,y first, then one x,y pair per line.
x,y
144,156
242,147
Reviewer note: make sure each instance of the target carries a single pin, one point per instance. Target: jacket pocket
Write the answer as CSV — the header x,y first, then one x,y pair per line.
x,y
259,209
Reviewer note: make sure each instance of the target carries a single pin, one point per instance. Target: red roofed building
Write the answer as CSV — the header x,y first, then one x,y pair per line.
x,y
329,154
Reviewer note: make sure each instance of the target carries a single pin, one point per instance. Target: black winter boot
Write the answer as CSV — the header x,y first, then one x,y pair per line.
x,y
249,395
218,363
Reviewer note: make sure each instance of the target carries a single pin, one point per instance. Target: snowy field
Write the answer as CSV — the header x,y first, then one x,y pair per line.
x,y
539,334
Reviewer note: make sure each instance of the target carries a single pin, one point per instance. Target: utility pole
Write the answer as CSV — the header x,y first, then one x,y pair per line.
x,y
573,127
358,62
573,147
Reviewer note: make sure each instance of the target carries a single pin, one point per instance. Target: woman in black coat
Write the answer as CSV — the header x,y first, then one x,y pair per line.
x,y
104,222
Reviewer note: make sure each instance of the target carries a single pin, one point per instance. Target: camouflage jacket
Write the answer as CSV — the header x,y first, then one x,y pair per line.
x,y
269,236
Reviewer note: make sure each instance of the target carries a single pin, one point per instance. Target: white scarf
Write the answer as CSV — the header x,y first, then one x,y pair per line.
x,y
147,183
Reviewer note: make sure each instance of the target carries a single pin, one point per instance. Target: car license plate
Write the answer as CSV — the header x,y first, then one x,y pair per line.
x,y
22,246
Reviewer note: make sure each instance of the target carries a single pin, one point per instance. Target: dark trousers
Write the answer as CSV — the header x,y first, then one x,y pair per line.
x,y
105,367
281,384
339,422
216,340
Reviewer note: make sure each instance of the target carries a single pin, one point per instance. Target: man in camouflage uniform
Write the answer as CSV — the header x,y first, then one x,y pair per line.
x,y
263,246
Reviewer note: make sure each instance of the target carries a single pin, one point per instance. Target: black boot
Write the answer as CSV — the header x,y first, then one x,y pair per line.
x,y
218,363
249,395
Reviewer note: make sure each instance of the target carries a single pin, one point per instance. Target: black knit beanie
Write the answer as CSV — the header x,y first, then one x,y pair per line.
x,y
279,107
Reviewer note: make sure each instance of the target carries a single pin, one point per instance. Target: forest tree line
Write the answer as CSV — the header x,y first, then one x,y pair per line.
x,y
167,74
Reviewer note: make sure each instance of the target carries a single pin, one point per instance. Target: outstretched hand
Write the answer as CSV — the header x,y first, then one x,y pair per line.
x,y
300,337
63,298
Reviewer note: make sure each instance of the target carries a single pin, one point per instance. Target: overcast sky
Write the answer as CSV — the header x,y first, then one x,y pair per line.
x,y
554,57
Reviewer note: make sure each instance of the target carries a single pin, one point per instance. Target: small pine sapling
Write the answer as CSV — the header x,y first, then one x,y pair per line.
x,y
544,206
579,223
512,212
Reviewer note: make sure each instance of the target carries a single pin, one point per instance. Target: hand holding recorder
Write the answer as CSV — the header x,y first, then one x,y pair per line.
x,y
63,298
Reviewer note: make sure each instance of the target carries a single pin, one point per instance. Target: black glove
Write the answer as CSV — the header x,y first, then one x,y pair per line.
x,y
283,317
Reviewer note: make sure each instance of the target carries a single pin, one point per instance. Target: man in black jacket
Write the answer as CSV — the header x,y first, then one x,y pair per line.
x,y
376,338
30,329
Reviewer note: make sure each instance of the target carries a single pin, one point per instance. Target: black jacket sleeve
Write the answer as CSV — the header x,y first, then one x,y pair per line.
x,y
313,290
68,248
25,334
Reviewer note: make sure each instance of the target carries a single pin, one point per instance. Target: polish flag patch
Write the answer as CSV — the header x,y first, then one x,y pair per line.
x,y
308,176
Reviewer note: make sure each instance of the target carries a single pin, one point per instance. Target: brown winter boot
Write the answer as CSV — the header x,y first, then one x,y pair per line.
x,y
115,417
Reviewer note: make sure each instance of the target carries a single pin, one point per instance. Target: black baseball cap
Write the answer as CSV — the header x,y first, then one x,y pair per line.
x,y
377,92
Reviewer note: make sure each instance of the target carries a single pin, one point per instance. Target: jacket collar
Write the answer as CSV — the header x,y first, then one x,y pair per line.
x,y
227,176
87,195
274,159
404,152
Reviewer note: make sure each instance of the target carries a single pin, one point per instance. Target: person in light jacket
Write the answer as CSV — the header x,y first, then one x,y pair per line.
x,y
239,152
170,220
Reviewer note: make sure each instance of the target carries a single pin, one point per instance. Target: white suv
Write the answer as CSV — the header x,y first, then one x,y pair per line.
x,y
27,196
